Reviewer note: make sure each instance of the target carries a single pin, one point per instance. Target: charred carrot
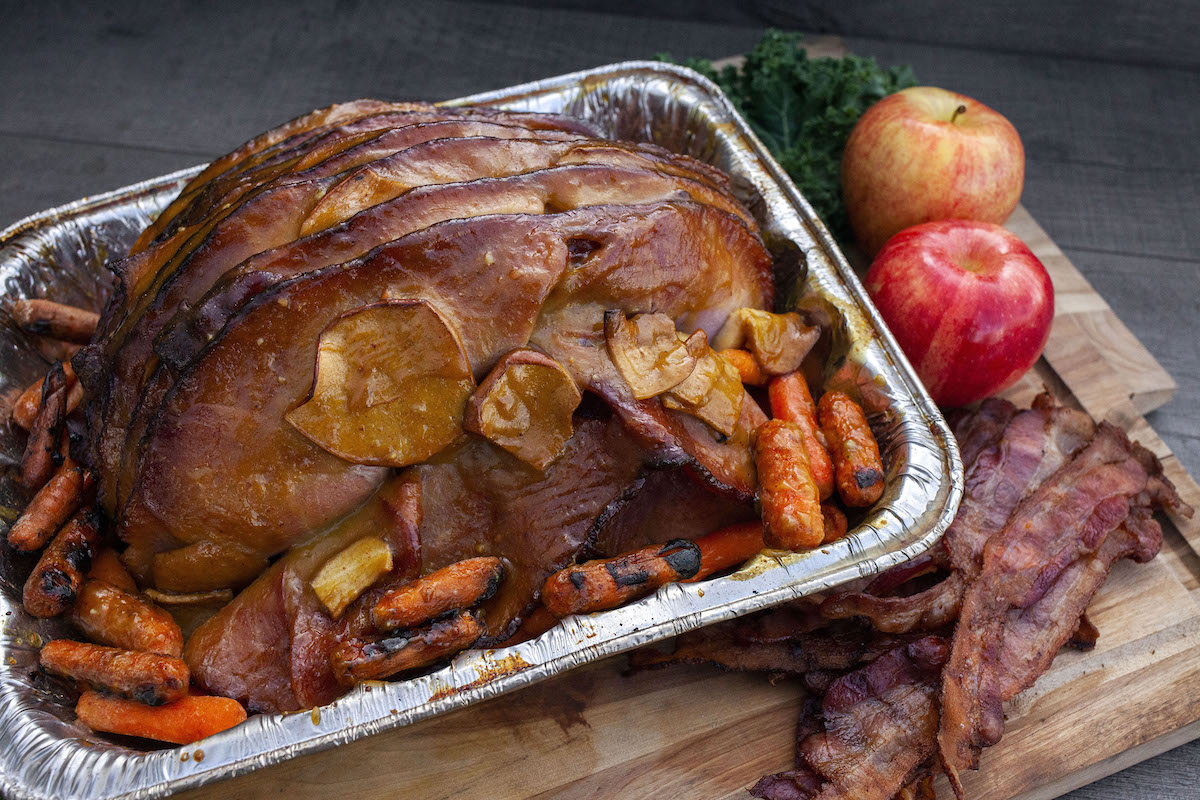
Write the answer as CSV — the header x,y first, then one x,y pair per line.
x,y
607,583
460,585
42,451
791,503
855,452
186,720
107,567
26,408
58,575
65,492
835,523
119,619
360,659
55,320
145,677
749,370
728,547
791,401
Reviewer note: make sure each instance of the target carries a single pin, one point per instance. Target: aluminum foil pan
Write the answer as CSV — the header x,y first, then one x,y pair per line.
x,y
60,253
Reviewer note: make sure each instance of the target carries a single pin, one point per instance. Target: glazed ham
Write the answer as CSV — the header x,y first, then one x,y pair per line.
x,y
278,388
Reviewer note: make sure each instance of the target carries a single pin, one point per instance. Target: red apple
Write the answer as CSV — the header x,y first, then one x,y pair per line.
x,y
968,302
924,154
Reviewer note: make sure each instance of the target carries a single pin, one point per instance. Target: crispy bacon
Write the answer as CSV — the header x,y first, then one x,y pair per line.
x,y
876,731
790,640
1032,636
1052,502
1005,463
1038,575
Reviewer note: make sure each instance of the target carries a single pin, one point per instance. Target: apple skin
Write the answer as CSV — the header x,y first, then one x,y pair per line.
x,y
911,159
970,305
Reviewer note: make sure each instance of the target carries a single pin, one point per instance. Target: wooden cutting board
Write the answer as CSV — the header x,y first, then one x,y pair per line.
x,y
693,732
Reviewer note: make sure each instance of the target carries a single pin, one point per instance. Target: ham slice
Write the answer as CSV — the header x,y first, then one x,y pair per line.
x,y
195,485
270,647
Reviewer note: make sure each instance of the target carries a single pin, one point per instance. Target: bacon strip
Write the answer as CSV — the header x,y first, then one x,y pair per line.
x,y
1033,636
877,730
1021,454
776,645
1037,577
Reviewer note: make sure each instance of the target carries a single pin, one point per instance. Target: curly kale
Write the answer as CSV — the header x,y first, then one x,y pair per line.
x,y
803,110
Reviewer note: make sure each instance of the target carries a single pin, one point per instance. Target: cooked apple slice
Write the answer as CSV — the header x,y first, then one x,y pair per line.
x,y
779,342
391,385
343,578
648,352
525,406
713,391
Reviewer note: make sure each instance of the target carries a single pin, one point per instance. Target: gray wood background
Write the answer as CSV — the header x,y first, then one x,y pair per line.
x,y
1106,95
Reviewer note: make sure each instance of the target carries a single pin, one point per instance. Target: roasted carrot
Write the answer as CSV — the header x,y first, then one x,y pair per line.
x,y
107,567
607,583
854,450
119,619
145,677
460,585
26,408
791,503
362,659
835,523
186,720
54,320
749,370
58,575
65,492
791,401
43,449
728,547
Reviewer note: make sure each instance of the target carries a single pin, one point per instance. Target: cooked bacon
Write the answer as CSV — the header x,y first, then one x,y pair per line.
x,y
928,610
780,624
1032,636
877,730
979,430
1037,577
1085,635
836,647
1032,445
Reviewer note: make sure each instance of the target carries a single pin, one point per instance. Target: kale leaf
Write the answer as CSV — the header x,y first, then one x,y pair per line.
x,y
803,110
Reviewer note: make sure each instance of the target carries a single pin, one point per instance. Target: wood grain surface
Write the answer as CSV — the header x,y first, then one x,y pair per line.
x,y
96,96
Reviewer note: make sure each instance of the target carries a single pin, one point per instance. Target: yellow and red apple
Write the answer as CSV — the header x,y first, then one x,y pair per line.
x,y
925,154
969,304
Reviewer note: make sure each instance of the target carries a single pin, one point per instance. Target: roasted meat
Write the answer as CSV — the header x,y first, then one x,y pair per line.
x,y
316,377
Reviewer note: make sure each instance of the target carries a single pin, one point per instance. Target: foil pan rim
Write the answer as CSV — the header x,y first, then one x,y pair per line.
x,y
42,756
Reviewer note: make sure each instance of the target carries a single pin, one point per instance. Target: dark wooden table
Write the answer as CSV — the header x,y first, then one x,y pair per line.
x,y
1106,96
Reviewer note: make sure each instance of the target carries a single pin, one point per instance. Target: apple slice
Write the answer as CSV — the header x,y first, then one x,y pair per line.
x,y
391,385
779,342
525,406
648,352
713,392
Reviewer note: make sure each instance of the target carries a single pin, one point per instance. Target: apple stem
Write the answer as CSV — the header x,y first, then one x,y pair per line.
x,y
957,111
